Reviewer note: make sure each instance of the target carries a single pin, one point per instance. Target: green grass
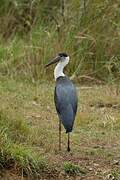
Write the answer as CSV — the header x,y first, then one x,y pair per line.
x,y
29,131
91,39
72,169
21,159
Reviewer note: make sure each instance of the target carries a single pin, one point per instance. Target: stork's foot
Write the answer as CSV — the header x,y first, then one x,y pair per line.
x,y
68,149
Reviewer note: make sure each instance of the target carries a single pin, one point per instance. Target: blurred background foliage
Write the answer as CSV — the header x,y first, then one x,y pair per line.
x,y
33,31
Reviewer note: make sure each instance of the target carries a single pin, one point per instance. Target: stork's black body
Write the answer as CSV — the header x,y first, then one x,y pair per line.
x,y
66,102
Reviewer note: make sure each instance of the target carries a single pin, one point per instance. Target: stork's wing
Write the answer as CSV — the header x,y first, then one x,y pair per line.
x,y
66,102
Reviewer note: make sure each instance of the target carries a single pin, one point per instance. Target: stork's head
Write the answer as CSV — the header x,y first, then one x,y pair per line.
x,y
63,58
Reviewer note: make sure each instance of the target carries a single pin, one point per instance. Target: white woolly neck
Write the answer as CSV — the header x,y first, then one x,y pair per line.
x,y
58,71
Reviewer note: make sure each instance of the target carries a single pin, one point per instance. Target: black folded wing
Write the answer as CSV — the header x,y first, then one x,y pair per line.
x,y
66,102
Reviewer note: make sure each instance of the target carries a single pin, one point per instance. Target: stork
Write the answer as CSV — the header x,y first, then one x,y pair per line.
x,y
65,96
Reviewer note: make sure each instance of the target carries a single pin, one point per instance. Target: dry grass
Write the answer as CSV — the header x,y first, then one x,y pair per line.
x,y
33,124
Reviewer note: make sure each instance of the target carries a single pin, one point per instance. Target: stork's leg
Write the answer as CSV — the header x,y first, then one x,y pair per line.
x,y
68,149
59,135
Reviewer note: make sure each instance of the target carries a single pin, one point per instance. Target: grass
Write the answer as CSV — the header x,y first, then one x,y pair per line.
x,y
72,169
90,38
29,132
32,33
21,159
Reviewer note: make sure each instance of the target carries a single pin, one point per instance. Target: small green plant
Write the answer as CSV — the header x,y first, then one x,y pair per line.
x,y
73,169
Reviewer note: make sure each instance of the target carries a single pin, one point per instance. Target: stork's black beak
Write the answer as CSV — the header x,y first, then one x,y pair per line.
x,y
55,60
